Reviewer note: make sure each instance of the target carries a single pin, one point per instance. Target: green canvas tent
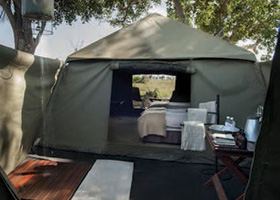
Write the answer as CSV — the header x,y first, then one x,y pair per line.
x,y
78,115
78,111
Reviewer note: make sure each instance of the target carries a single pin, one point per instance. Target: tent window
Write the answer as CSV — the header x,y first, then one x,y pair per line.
x,y
129,90
147,88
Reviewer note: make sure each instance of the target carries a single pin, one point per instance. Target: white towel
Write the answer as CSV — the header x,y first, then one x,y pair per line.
x,y
211,107
193,136
197,114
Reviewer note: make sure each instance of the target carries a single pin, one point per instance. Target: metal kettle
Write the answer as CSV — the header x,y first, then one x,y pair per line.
x,y
252,128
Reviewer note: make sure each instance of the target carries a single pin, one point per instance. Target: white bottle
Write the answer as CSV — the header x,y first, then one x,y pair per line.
x,y
232,122
227,122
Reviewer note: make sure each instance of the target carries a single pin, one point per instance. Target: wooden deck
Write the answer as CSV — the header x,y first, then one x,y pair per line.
x,y
42,179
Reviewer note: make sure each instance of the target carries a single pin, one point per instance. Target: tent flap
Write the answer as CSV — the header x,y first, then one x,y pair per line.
x,y
25,85
264,180
77,116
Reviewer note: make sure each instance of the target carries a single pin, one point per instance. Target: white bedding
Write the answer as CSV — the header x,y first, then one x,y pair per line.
x,y
156,121
175,115
152,122
174,118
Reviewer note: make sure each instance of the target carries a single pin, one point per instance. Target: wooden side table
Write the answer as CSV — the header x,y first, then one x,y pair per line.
x,y
226,154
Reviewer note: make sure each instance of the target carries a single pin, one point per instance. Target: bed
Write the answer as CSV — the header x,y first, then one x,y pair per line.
x,y
163,124
166,126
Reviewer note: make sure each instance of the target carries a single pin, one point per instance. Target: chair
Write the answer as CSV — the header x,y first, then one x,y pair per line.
x,y
213,111
136,97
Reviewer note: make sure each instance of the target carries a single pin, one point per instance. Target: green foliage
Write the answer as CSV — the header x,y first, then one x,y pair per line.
x,y
155,93
116,12
239,20
164,88
138,79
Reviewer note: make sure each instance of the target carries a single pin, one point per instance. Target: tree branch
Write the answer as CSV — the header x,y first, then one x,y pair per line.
x,y
39,35
126,10
219,33
8,11
234,34
221,11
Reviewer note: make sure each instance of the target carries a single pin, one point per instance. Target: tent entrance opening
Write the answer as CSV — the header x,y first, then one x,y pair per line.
x,y
143,100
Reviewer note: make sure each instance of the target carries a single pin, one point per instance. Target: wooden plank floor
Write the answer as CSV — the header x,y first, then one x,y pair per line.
x,y
43,180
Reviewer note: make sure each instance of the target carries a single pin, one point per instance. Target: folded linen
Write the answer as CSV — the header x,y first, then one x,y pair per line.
x,y
174,117
197,114
211,107
193,136
170,128
178,105
158,104
176,114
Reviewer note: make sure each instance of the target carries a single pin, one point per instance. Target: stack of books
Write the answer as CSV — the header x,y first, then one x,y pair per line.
x,y
222,139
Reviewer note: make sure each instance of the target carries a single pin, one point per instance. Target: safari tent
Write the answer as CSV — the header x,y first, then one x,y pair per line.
x,y
74,111
79,115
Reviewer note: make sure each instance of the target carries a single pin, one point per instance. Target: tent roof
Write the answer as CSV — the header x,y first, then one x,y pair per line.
x,y
158,37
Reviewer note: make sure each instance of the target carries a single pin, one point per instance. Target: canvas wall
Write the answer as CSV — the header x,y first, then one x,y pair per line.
x,y
25,85
78,113
239,83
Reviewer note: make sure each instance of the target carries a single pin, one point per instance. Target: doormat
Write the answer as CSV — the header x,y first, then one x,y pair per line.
x,y
108,179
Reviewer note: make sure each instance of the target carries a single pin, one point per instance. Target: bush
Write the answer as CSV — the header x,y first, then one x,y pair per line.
x,y
138,79
154,94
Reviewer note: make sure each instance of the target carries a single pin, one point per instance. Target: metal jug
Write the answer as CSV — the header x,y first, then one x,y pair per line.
x,y
252,128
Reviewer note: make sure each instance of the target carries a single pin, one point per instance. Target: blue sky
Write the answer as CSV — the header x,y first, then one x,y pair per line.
x,y
65,38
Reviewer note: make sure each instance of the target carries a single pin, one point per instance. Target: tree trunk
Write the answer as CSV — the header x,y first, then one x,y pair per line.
x,y
179,11
23,36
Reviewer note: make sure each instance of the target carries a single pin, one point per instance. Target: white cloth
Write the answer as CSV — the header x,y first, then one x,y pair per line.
x,y
158,104
178,105
152,122
193,136
108,179
197,114
211,107
174,117
176,113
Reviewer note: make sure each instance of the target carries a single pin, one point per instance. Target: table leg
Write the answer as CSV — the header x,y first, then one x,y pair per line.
x,y
219,188
233,166
216,164
223,171
239,160
240,197
220,173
